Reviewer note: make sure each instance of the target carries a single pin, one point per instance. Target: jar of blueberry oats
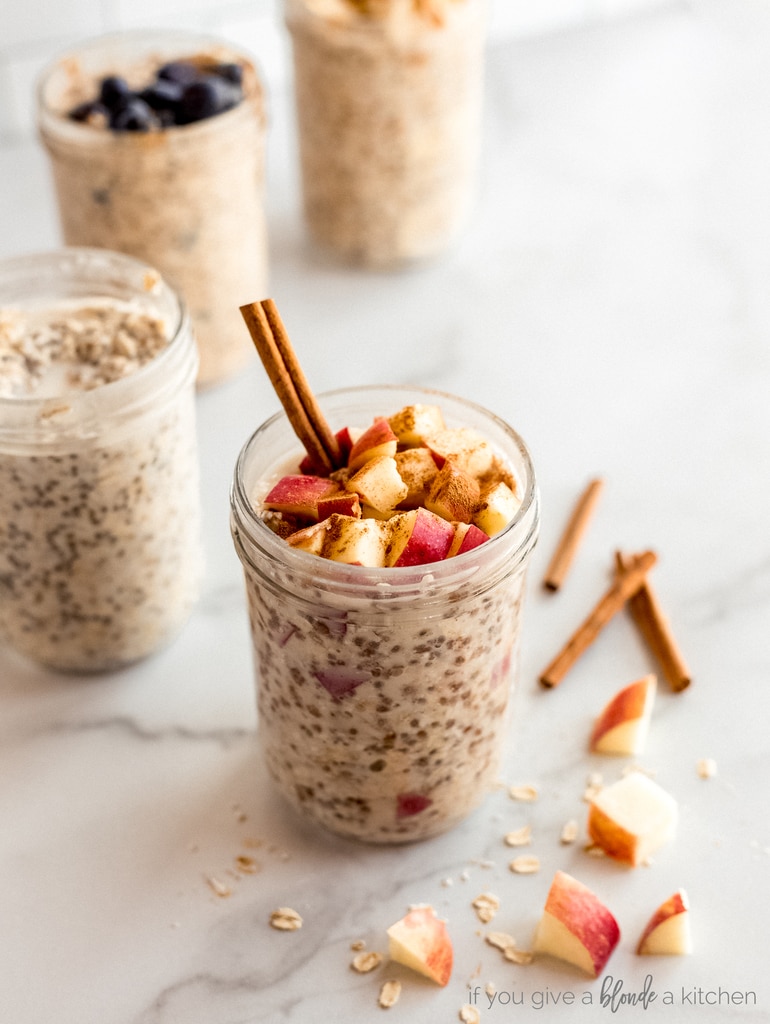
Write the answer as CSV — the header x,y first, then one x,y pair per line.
x,y
100,551
388,99
386,639
156,144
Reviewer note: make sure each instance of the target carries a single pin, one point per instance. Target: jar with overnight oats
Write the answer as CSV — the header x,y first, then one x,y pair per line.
x,y
156,143
383,694
388,98
100,548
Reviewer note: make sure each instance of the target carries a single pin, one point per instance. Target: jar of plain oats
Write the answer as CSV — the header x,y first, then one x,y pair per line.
x,y
384,694
100,548
156,143
388,98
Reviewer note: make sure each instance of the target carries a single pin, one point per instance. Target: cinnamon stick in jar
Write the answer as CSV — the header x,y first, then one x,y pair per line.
x,y
656,631
627,582
570,540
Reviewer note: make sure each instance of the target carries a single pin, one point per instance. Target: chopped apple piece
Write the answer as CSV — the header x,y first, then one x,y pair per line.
x,y
465,447
376,441
310,539
623,725
378,484
418,537
346,438
346,503
298,494
668,930
414,423
355,541
466,538
576,926
632,818
420,941
453,495
417,469
497,507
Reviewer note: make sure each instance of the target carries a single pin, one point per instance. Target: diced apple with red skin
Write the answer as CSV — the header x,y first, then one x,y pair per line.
x,y
453,495
622,726
346,438
632,818
418,537
466,538
355,541
346,503
668,930
414,423
376,441
465,447
310,539
378,484
298,494
417,469
497,507
576,926
420,941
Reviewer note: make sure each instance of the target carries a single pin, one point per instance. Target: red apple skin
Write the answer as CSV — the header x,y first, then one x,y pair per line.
x,y
472,538
345,442
589,920
429,540
439,956
345,504
378,439
614,840
299,494
627,704
676,904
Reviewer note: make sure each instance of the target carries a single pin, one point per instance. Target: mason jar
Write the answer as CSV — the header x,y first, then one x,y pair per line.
x,y
388,98
188,199
383,694
100,549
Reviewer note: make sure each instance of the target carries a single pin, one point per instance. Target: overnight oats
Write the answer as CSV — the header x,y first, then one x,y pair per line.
x,y
385,602
100,552
156,142
388,97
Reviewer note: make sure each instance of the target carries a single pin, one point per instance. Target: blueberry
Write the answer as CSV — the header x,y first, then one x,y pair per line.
x,y
207,97
114,92
230,72
181,71
135,116
162,94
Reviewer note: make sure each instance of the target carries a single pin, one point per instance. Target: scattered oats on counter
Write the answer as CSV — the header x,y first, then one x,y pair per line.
x,y
507,946
247,865
526,794
362,963
569,832
218,887
706,767
389,994
486,906
594,785
520,837
357,946
525,865
285,919
469,1014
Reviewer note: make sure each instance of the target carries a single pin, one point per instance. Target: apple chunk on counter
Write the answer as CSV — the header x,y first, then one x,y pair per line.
x,y
668,930
576,926
622,726
632,818
420,941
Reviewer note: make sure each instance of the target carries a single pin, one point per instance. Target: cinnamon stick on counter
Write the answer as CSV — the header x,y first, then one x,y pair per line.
x,y
570,540
627,582
280,361
656,631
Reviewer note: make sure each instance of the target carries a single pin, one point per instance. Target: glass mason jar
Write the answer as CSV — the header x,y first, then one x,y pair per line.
x,y
383,694
388,96
100,551
188,199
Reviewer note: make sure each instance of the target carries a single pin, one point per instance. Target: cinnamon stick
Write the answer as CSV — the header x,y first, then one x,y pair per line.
x,y
656,631
626,583
570,540
280,361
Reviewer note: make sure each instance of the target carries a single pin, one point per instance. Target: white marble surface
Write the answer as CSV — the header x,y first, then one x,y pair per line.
x,y
611,301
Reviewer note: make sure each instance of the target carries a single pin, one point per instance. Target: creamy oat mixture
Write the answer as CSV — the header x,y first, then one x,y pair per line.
x,y
99,534
388,96
187,199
